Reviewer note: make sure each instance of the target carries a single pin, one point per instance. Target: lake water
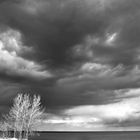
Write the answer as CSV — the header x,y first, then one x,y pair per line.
x,y
87,136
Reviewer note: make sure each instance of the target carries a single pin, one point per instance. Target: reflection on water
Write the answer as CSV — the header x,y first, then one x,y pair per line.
x,y
87,136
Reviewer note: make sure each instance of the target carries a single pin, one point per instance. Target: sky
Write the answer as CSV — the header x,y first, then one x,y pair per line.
x,y
81,56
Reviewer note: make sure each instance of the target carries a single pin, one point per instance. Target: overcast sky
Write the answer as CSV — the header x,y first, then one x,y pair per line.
x,y
81,56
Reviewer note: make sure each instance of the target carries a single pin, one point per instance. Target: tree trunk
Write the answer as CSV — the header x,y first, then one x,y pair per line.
x,y
14,133
20,135
27,133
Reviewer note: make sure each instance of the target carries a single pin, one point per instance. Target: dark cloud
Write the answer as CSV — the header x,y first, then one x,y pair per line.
x,y
53,28
74,52
129,124
56,28
8,91
92,87
124,21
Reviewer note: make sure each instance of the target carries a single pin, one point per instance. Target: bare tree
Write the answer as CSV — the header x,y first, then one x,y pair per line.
x,y
4,129
34,114
24,114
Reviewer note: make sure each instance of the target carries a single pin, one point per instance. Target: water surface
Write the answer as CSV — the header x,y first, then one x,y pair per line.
x,y
87,136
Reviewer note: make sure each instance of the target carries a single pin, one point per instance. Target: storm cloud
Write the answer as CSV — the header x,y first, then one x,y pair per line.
x,y
77,54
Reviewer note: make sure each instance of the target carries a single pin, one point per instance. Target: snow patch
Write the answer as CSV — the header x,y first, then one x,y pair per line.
x,y
9,139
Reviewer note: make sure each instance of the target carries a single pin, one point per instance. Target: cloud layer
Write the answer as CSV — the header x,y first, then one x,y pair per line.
x,y
101,117
82,57
12,64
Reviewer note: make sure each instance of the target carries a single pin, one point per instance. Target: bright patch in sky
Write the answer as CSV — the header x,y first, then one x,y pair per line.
x,y
127,109
101,115
12,63
111,38
11,41
93,67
